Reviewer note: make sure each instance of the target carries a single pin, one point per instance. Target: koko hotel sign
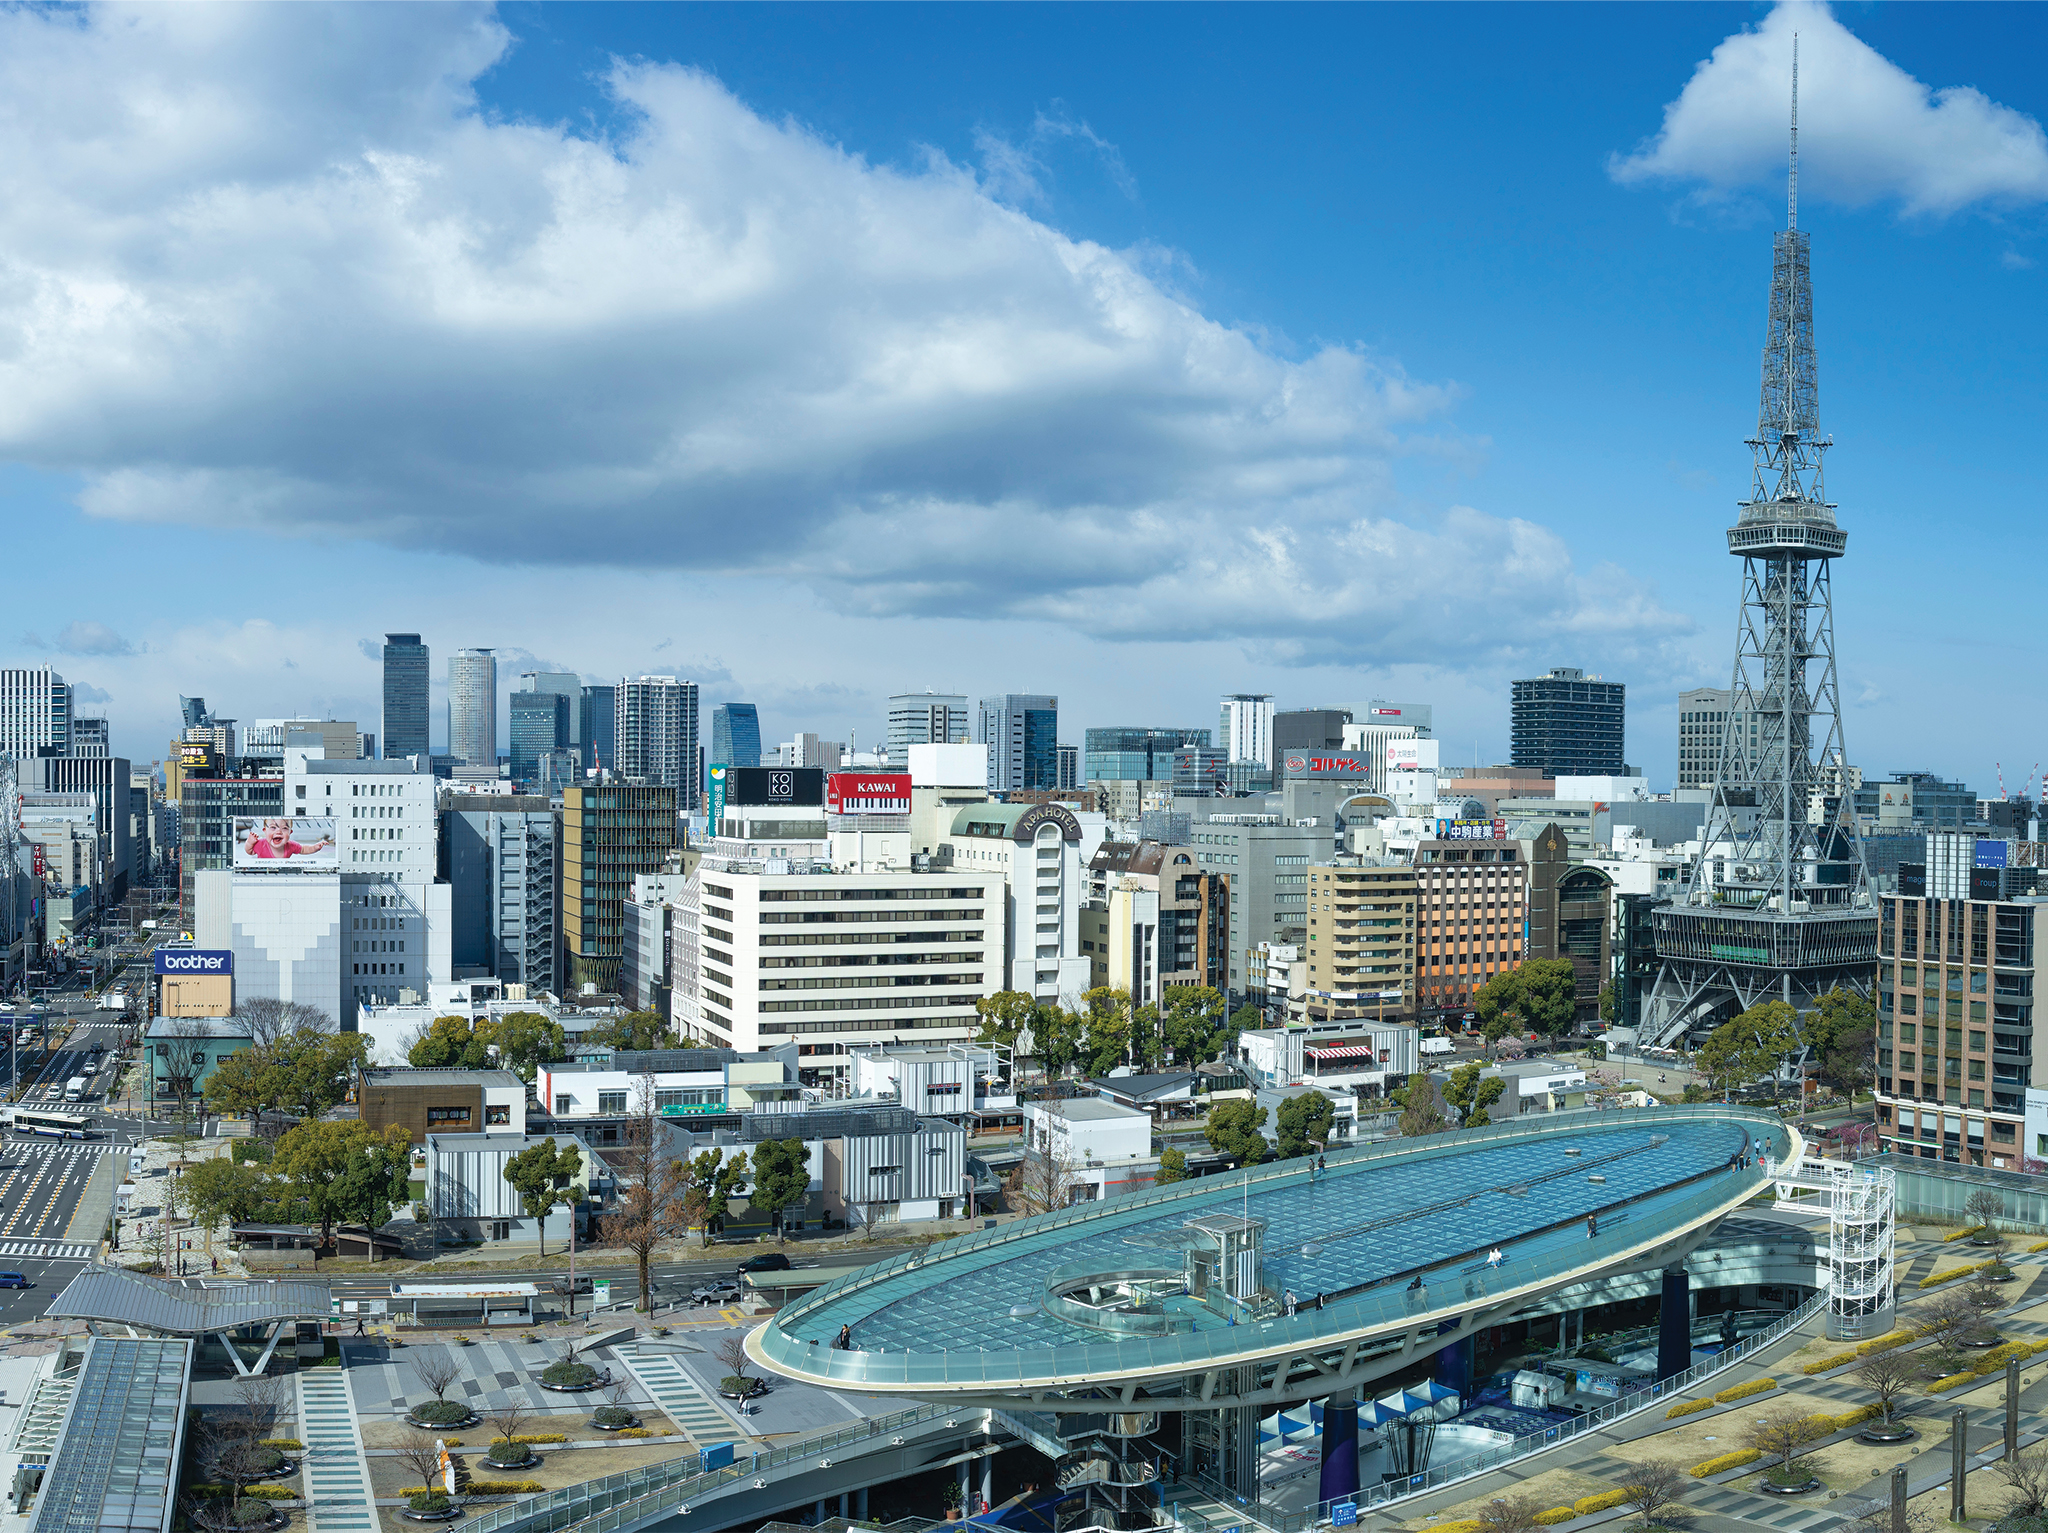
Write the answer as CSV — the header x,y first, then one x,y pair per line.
x,y
183,961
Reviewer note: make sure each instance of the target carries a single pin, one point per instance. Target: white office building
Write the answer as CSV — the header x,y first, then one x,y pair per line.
x,y
924,718
473,707
1244,727
1041,852
35,712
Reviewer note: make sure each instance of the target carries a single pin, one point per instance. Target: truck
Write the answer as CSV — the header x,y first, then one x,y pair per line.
x,y
1436,1048
114,1000
74,1089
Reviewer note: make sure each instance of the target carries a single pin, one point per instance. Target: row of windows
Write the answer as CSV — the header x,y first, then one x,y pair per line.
x,y
878,1004
810,917
852,939
882,981
856,960
862,894
869,1025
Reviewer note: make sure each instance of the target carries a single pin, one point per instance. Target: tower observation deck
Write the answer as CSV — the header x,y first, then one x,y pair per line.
x,y
1778,905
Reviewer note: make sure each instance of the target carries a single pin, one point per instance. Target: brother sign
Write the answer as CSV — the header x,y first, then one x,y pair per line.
x,y
185,960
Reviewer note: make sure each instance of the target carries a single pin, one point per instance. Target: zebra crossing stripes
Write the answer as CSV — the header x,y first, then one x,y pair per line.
x,y
48,1250
336,1473
678,1396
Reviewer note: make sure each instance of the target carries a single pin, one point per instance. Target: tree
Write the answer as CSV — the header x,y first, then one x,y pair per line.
x,y
505,1419
782,1179
224,1191
1234,1130
420,1452
1196,1025
1549,995
1887,1375
182,1048
541,1175
1509,1514
437,1369
733,1353
1173,1167
635,1032
1004,1016
527,1040
1610,1011
2026,1476
453,1043
713,1179
1842,1031
1472,1095
1750,1047
1109,1028
241,1083
1652,1485
1984,1205
1782,1434
1950,1322
1246,1019
268,1019
650,1206
1046,1177
1422,1110
314,1068
1303,1122
345,1171
1056,1038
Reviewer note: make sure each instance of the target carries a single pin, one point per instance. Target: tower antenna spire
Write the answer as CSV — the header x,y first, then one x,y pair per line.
x,y
1792,179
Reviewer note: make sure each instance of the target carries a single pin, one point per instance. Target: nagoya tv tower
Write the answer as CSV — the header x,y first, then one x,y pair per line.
x,y
1778,905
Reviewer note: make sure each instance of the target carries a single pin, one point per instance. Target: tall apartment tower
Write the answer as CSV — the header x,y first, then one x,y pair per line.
x,y
657,735
35,713
1244,727
1569,724
1778,907
405,696
1021,731
924,718
736,735
473,707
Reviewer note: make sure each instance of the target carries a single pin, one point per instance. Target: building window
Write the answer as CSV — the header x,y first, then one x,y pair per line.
x,y
447,1114
561,1104
611,1101
497,1115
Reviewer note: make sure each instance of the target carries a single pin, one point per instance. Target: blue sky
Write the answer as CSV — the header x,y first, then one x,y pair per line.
x,y
1132,353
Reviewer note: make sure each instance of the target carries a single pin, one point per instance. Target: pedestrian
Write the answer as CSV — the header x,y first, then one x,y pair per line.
x,y
1592,1226
1417,1284
1493,1257
1322,1165
216,1264
844,1340
1319,1300
359,1325
1290,1302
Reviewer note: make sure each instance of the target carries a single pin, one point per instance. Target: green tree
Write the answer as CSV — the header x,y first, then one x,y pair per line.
x,y
713,1179
527,1040
1750,1047
452,1043
345,1172
781,1178
1471,1095
1173,1167
1499,1006
224,1191
542,1174
1056,1035
1003,1016
312,1070
1148,1038
1610,1003
1842,1031
1197,1025
636,1031
1246,1019
1303,1122
1422,1110
244,1083
1550,995
1234,1130
1109,1024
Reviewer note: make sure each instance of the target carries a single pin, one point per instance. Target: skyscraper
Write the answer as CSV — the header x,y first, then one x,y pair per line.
x,y
540,724
1134,752
1568,724
1021,731
736,735
1779,906
35,713
1704,724
1245,727
657,735
924,718
405,696
564,684
595,726
473,707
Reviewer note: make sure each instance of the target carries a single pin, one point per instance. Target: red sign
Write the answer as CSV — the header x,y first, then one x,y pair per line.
x,y
867,793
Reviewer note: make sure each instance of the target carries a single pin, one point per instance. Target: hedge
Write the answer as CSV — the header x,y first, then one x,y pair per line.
x,y
2037,1246
632,1432
1687,1407
1959,1234
286,1444
485,1488
1554,1516
1733,1460
1468,1525
260,1492
1886,1342
537,1437
1585,1506
1936,1279
1827,1363
1744,1391
1942,1386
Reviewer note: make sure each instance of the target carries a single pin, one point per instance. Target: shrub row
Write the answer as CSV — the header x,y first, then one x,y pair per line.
x,y
2041,1245
1687,1407
1959,1234
1885,1342
1936,1279
1468,1525
260,1492
1601,1501
1733,1460
1943,1385
537,1437
1744,1391
632,1432
1827,1364
285,1444
1552,1517
1989,1362
485,1488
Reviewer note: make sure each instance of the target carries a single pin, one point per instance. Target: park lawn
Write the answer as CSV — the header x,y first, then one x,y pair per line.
x,y
1554,1487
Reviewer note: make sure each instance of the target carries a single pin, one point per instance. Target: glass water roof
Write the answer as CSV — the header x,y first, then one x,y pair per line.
x,y
116,1461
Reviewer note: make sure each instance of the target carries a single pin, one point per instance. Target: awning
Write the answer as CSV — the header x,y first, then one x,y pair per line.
x,y
171,1309
1342,1051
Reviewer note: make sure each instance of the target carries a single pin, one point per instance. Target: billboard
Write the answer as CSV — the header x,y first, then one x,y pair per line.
x,y
803,787
1984,883
1412,755
714,793
283,843
867,793
187,960
1992,854
1471,830
211,995
1354,766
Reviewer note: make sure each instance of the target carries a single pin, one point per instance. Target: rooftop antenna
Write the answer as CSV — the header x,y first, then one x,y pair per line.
x,y
1792,179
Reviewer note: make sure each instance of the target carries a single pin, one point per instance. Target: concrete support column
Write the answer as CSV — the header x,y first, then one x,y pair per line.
x,y
988,1480
1674,1323
1959,1463
845,1503
860,1503
966,1489
818,1513
1453,1362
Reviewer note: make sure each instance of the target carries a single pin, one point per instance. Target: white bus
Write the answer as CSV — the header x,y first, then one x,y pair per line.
x,y
50,1125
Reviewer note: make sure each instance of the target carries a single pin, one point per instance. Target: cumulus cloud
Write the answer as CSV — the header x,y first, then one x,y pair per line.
x,y
1868,131
83,637
271,268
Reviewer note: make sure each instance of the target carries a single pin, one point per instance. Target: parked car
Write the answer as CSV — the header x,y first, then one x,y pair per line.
x,y
718,1291
561,1286
771,1261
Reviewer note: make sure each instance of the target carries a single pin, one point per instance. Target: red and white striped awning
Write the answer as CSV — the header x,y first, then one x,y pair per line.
x,y
1341,1051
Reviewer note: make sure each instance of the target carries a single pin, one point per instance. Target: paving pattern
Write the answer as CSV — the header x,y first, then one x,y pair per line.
x,y
337,1475
679,1396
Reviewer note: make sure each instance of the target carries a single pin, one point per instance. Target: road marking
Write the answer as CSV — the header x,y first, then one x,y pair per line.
x,y
337,1475
678,1396
50,1250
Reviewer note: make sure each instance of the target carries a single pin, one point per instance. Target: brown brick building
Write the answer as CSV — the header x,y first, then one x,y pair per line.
x,y
424,1102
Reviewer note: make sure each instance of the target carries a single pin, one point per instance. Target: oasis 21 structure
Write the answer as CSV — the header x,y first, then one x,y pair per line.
x,y
1778,905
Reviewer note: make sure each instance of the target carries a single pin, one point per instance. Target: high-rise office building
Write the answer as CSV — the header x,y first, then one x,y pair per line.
x,y
501,852
1420,717
657,735
610,833
90,737
1707,721
473,707
539,727
1069,772
595,726
924,718
35,713
405,696
1569,724
1245,727
1134,753
1314,731
567,686
736,735
1021,731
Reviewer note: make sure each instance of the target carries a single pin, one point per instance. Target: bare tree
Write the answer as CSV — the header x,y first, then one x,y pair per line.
x,y
1782,1434
652,1205
269,1019
182,1049
1887,1375
733,1353
1045,1178
437,1368
1949,1321
418,1452
1874,1515
1984,1205
1653,1486
505,1419
2026,1476
1509,1514
213,1516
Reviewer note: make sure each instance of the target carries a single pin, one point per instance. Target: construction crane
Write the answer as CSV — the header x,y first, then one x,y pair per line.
x,y
1999,768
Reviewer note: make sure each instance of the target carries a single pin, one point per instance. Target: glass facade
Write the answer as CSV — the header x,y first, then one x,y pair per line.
x,y
540,724
736,735
405,696
1134,752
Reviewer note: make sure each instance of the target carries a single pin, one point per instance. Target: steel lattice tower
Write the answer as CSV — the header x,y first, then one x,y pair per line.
x,y
1778,905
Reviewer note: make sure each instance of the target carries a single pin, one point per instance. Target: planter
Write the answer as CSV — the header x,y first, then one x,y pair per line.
x,y
568,1378
1897,1432
630,1421
527,1456
732,1387
467,1418
1799,1488
1985,1345
446,1513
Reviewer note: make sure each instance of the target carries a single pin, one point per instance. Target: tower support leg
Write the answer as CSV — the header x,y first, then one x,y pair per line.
x,y
1674,1323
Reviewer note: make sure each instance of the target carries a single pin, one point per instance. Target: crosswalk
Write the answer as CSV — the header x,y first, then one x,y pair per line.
x,y
678,1395
337,1474
47,1250
16,1150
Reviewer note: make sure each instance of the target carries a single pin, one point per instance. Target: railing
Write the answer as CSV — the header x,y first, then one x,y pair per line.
x,y
660,1488
1522,1447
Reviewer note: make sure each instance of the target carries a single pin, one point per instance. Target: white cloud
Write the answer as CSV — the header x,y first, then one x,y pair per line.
x,y
271,269
1868,131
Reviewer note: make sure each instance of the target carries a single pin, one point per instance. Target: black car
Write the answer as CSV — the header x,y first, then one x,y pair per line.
x,y
773,1261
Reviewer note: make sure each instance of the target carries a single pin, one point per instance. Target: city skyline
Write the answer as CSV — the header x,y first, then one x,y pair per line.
x,y
1451,549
